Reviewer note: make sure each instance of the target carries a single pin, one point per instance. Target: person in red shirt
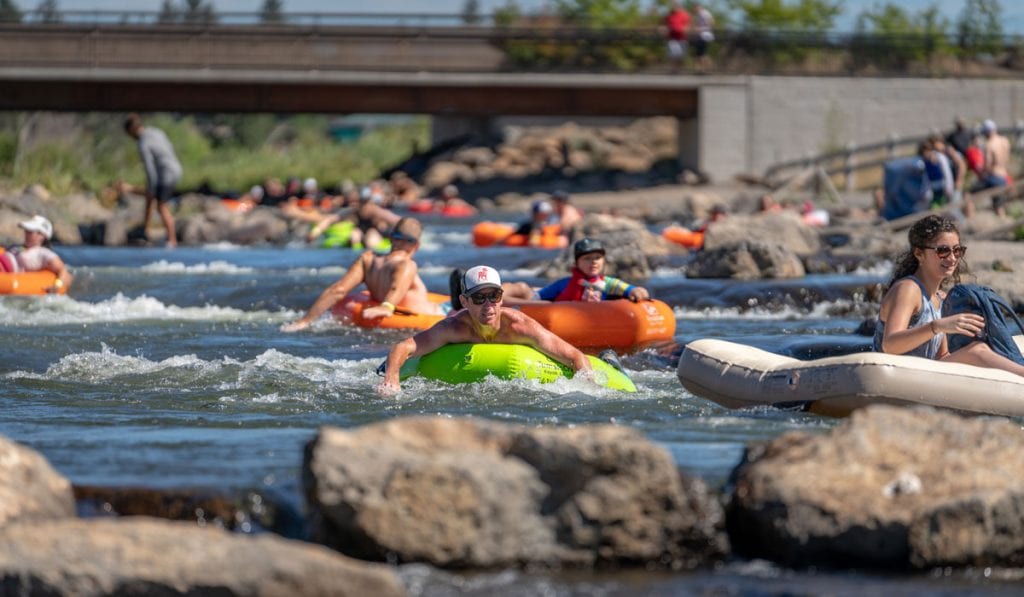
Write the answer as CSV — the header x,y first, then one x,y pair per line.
x,y
677,22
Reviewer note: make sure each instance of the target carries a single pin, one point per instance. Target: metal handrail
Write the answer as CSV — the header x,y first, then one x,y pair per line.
x,y
849,153
538,22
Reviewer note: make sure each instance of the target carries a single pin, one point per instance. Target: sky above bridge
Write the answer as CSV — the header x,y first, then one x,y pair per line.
x,y
1013,10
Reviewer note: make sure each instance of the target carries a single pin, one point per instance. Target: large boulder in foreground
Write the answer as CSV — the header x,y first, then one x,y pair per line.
x,y
30,489
471,493
891,487
144,556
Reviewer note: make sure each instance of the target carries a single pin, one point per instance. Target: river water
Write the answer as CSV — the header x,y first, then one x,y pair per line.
x,y
166,369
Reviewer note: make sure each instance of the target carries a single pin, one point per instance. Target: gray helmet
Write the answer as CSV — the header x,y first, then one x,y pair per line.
x,y
587,245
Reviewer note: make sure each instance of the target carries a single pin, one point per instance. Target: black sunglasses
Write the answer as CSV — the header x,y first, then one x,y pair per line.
x,y
479,298
399,237
944,251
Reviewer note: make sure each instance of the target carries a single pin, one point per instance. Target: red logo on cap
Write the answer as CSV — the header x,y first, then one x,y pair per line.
x,y
481,276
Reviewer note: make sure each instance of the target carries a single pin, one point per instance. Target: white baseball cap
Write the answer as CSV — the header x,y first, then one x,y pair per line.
x,y
478,278
38,224
989,126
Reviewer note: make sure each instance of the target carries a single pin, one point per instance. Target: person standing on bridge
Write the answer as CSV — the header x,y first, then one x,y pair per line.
x,y
677,22
704,24
163,171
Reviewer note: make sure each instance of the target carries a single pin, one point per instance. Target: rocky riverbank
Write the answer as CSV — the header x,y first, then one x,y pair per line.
x,y
896,489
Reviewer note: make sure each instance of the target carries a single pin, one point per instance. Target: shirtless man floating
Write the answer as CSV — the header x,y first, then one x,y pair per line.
x,y
482,320
996,172
392,280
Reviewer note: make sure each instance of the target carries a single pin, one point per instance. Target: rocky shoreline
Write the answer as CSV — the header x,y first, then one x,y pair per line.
x,y
889,489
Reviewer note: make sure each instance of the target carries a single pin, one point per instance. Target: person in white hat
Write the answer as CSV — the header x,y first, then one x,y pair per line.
x,y
36,254
481,320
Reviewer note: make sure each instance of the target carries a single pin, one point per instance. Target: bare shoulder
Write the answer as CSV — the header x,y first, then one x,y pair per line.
x,y
365,258
905,290
405,260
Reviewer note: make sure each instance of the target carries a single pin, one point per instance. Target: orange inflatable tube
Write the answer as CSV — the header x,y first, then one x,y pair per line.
x,y
619,324
236,205
421,206
28,283
691,239
351,307
486,234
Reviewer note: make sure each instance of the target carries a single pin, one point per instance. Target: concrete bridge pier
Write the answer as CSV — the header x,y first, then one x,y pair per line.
x,y
715,141
445,127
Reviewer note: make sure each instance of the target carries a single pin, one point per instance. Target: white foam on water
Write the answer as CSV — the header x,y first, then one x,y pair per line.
x,y
223,246
330,270
883,269
106,364
518,273
431,242
176,267
432,269
819,310
458,239
63,310
668,272
414,387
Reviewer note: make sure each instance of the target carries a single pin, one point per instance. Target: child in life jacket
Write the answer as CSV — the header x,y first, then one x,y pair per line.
x,y
587,282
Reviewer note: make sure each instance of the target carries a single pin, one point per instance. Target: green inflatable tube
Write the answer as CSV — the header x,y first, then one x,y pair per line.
x,y
468,363
337,235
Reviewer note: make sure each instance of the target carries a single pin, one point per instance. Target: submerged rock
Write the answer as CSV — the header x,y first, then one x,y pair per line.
x,y
468,493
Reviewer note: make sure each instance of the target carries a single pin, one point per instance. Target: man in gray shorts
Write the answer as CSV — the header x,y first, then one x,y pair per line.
x,y
163,171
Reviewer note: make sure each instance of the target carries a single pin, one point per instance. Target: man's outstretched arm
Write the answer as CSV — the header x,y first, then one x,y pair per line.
x,y
332,294
422,343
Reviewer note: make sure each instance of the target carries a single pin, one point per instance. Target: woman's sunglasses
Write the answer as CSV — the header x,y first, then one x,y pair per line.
x,y
479,298
944,251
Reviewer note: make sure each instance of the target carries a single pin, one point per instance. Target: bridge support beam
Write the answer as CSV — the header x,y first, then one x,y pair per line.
x,y
717,142
448,127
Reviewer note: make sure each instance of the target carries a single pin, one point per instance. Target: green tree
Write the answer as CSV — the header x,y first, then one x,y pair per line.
x,y
507,15
803,15
890,36
600,14
48,12
780,32
199,11
169,12
471,12
979,29
9,12
272,12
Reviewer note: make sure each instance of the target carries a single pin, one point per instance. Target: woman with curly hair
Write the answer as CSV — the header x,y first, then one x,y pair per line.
x,y
910,320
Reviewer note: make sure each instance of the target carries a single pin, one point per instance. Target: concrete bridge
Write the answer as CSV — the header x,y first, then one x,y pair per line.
x,y
727,124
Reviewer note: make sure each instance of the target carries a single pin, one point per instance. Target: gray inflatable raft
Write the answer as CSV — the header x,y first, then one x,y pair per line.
x,y
738,376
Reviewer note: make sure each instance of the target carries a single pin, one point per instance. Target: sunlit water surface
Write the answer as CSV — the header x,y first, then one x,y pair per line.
x,y
166,369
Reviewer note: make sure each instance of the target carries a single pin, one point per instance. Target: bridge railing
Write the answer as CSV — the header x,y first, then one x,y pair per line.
x,y
545,42
854,159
